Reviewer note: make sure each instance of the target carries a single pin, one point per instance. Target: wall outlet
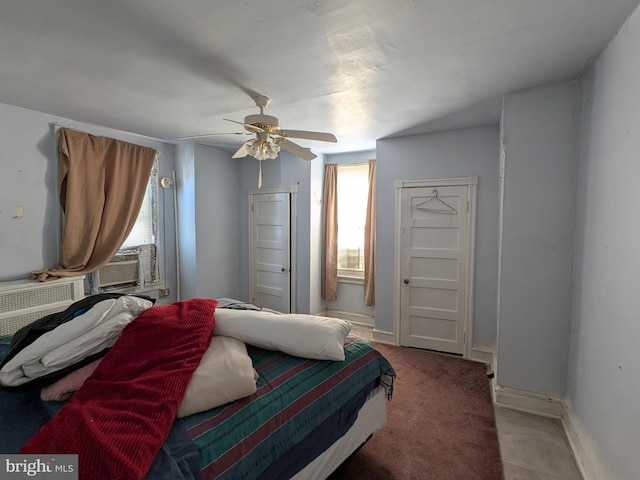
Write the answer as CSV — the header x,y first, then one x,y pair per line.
x,y
164,292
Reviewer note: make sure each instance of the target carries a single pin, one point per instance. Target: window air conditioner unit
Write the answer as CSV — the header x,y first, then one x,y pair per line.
x,y
124,270
130,268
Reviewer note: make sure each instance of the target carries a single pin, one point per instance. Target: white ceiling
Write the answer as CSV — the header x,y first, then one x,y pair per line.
x,y
361,69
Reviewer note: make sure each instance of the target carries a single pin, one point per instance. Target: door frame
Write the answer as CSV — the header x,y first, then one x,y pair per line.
x,y
472,187
293,215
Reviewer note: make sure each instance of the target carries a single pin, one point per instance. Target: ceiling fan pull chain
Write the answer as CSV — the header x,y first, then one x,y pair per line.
x,y
260,174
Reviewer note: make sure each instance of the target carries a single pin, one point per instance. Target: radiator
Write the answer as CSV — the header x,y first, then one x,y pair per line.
x,y
24,301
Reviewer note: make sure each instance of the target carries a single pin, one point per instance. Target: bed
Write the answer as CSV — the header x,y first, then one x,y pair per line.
x,y
305,418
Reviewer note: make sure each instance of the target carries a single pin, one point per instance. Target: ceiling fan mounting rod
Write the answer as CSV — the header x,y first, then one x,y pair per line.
x,y
261,102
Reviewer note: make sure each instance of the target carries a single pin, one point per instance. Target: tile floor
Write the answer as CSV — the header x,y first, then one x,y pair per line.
x,y
533,447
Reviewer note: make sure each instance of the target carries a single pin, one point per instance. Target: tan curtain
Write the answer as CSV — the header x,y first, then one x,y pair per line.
x,y
330,233
101,182
370,239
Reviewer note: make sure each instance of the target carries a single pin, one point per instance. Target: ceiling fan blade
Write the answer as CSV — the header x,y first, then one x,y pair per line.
x,y
248,126
320,136
296,149
243,151
205,135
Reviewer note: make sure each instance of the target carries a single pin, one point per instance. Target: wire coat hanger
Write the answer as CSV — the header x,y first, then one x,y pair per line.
x,y
449,209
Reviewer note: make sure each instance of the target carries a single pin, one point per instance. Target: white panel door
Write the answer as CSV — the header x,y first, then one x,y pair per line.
x,y
271,250
434,267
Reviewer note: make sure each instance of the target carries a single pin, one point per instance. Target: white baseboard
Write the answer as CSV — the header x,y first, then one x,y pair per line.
x,y
384,336
358,318
482,354
586,459
529,402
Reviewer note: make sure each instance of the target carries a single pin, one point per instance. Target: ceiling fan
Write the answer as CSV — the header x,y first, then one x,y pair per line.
x,y
269,138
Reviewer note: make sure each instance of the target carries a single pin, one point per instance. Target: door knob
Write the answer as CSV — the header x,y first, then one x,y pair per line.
x,y
406,281
283,269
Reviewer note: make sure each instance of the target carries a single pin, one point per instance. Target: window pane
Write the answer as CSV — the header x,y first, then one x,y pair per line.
x,y
145,228
353,188
141,233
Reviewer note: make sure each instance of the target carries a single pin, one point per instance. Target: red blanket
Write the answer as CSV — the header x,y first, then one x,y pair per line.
x,y
120,417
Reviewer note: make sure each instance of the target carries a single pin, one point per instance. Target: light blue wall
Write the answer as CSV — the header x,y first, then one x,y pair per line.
x,y
248,180
29,168
351,157
28,173
217,222
316,304
603,384
457,153
295,171
540,133
186,191
210,218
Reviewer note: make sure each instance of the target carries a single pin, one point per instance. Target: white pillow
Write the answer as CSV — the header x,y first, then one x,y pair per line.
x,y
307,336
225,374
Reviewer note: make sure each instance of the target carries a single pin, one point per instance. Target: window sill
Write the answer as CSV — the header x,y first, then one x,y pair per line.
x,y
352,280
151,287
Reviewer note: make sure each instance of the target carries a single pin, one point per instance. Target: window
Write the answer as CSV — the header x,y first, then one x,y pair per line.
x,y
353,187
145,230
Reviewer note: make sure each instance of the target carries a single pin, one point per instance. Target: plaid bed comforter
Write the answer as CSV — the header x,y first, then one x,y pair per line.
x,y
246,438
300,408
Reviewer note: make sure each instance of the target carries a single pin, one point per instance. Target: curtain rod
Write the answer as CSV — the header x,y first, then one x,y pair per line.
x,y
59,125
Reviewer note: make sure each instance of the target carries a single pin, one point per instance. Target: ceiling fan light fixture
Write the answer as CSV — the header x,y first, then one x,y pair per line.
x,y
262,149
269,137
